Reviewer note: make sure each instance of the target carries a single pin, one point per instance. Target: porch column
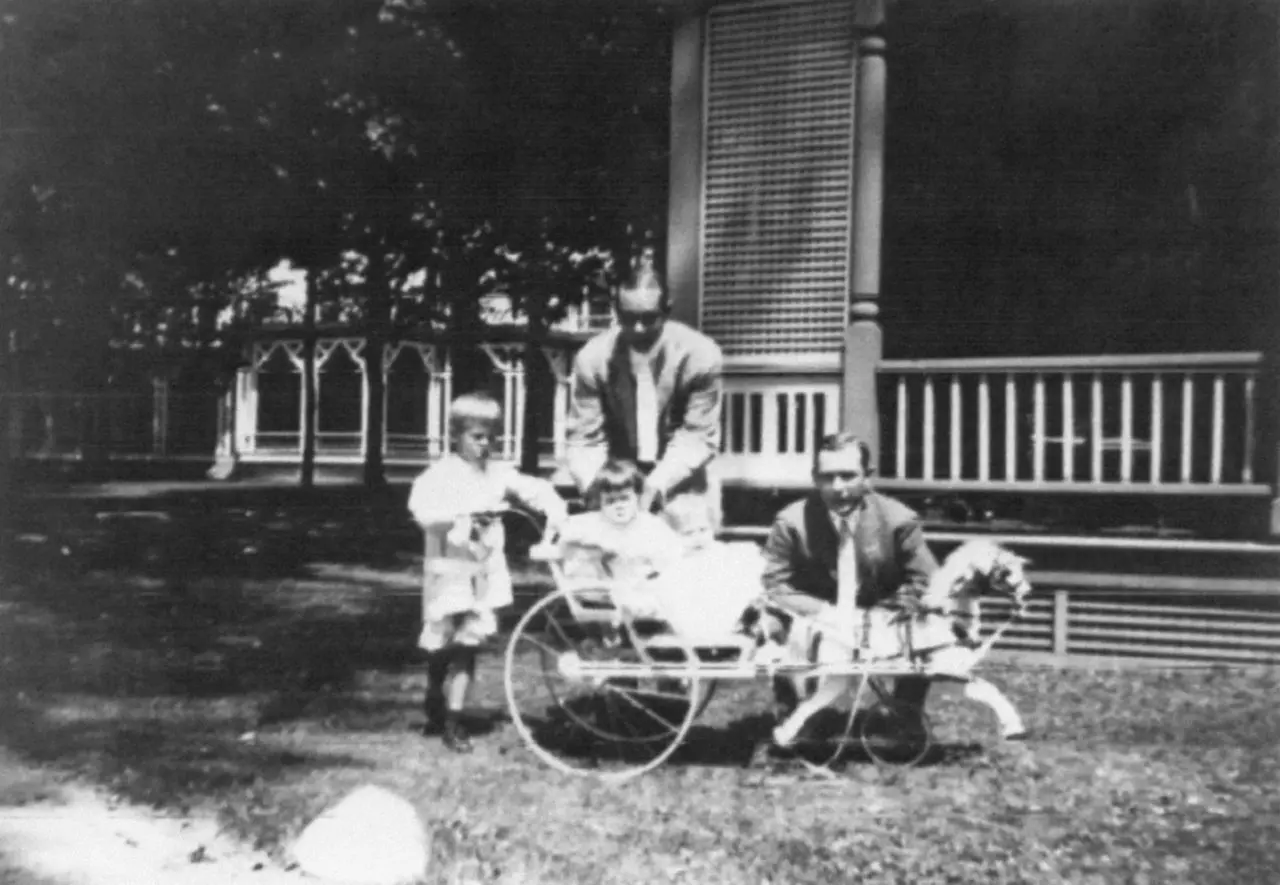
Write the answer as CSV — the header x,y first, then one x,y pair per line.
x,y
224,452
506,359
684,214
863,343
439,387
558,360
246,414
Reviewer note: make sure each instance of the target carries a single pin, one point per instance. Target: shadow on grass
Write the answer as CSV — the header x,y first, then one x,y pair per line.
x,y
146,642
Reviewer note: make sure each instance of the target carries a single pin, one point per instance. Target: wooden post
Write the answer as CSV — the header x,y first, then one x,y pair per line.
x,y
224,453
1060,624
684,212
1268,430
863,343
160,415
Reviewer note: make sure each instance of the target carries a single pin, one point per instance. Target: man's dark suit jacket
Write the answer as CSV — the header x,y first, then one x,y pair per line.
x,y
803,546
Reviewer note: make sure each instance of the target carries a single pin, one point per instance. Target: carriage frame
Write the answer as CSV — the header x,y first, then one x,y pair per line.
x,y
626,690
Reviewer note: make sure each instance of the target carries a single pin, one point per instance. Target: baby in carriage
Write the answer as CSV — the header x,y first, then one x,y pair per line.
x,y
669,566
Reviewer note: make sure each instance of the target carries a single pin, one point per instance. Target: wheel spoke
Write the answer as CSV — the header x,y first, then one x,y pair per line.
x,y
613,728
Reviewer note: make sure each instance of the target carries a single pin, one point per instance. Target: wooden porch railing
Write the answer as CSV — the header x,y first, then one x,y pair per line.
x,y
1162,423
770,427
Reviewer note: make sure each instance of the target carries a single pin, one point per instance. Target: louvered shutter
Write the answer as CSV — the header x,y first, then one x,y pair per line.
x,y
777,178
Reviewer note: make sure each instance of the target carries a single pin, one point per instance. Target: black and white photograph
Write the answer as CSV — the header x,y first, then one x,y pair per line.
x,y
622,442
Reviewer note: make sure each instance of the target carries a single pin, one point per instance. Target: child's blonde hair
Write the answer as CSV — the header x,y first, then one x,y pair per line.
x,y
694,519
473,408
687,511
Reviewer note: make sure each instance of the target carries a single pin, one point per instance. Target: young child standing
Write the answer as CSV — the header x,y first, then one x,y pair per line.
x,y
465,576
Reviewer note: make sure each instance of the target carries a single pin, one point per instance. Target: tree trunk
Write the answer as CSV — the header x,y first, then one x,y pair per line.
x,y
310,410
378,321
535,393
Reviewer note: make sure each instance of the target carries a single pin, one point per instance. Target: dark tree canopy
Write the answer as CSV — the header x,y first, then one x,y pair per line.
x,y
1082,177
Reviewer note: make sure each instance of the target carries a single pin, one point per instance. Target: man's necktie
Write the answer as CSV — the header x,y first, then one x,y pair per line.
x,y
646,413
846,579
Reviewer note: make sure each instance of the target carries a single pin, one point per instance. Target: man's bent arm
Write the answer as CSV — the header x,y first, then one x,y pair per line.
x,y
697,442
918,564
779,572
586,445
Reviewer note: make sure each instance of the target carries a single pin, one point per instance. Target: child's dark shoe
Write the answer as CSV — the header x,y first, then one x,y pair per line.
x,y
456,737
434,710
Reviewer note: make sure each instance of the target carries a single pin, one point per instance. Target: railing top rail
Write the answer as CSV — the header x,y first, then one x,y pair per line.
x,y
1202,361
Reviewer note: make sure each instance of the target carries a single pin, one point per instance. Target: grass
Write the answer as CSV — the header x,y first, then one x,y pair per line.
x,y
256,659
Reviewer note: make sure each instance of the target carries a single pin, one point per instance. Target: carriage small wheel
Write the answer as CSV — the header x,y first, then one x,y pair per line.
x,y
895,733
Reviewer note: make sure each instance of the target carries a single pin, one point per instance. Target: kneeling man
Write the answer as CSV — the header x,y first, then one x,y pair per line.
x,y
843,550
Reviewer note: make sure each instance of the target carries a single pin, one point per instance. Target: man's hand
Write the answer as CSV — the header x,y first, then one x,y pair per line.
x,y
652,499
909,603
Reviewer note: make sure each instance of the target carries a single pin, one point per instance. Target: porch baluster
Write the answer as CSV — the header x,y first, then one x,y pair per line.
x,y
1010,427
1157,427
1095,427
1068,429
956,426
900,431
1039,440
984,428
1215,458
928,426
1246,472
1126,428
1187,406
768,425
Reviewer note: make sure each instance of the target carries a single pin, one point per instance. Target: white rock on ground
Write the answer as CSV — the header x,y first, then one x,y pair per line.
x,y
371,837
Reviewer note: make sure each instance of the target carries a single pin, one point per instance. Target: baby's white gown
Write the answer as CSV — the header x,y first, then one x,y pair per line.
x,y
705,593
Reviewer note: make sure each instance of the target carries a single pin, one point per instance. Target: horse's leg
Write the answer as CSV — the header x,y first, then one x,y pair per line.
x,y
830,688
828,691
984,692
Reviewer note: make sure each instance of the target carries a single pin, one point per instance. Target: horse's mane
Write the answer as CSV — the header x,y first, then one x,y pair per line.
x,y
966,569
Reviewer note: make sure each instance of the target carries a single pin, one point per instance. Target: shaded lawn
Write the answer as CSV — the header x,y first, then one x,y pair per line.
x,y
264,690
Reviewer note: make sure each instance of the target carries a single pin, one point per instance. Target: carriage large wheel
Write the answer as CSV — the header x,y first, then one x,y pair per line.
x,y
889,731
592,698
896,733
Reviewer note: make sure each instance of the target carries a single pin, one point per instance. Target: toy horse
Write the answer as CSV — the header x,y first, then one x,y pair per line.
x,y
940,640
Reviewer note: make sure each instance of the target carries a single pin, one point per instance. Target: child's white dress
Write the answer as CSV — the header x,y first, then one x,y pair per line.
x,y
705,593
701,594
462,584
624,556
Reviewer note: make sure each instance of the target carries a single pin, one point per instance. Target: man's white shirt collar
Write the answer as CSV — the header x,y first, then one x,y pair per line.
x,y
838,522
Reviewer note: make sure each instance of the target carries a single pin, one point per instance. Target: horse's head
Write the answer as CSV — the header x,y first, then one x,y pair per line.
x,y
983,568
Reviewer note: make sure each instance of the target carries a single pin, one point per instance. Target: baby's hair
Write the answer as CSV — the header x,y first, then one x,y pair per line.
x,y
473,408
683,510
615,476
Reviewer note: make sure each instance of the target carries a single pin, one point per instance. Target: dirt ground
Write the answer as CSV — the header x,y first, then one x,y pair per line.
x,y
68,834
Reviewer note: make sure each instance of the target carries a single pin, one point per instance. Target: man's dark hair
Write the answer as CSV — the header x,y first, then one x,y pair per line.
x,y
643,275
838,442
616,475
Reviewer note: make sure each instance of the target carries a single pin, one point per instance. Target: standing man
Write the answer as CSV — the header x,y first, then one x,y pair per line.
x,y
648,390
